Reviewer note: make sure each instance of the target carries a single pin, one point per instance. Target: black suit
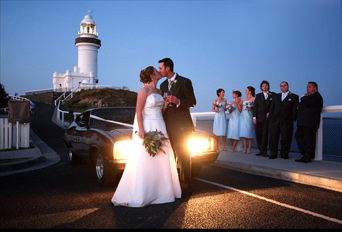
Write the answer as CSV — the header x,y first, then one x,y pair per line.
x,y
260,110
308,120
282,115
179,124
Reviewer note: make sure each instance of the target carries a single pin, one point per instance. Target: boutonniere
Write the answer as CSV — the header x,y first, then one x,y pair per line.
x,y
173,84
269,94
290,93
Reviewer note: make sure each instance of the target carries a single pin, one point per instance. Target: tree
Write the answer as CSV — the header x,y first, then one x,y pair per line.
x,y
4,98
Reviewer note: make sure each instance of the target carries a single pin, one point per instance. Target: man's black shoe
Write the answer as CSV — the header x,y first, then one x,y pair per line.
x,y
306,157
265,155
273,157
285,157
299,160
258,154
304,160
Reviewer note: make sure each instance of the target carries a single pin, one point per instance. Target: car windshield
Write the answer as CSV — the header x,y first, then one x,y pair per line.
x,y
124,115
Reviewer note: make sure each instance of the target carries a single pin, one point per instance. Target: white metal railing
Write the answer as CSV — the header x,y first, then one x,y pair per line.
x,y
319,134
65,97
59,90
19,98
60,114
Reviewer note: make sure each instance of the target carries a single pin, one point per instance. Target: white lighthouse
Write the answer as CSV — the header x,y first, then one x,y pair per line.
x,y
88,45
86,71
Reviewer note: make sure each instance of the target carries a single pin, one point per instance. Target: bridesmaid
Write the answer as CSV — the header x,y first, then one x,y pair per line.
x,y
246,126
233,125
220,121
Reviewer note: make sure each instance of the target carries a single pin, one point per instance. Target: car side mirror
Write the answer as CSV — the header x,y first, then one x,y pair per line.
x,y
83,123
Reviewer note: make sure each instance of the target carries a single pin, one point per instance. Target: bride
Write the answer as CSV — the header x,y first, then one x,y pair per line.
x,y
146,179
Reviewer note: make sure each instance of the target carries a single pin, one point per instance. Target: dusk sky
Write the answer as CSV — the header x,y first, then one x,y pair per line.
x,y
227,44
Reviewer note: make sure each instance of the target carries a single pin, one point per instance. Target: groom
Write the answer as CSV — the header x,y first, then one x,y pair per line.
x,y
178,119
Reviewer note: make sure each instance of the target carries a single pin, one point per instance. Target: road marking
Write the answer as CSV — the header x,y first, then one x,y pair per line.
x,y
274,202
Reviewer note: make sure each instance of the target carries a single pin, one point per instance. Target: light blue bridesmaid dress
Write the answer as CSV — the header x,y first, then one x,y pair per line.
x,y
233,124
220,122
246,126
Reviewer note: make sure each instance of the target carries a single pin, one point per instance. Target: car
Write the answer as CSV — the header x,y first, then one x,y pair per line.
x,y
104,136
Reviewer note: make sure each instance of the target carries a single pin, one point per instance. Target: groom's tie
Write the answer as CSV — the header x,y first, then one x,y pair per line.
x,y
169,84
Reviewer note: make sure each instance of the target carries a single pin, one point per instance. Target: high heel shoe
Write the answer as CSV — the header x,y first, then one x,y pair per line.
x,y
244,151
248,151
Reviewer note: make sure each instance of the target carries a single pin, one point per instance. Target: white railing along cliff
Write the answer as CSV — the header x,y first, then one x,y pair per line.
x,y
319,134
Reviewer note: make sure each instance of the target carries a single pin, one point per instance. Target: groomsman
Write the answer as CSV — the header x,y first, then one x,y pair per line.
x,y
262,104
309,117
283,112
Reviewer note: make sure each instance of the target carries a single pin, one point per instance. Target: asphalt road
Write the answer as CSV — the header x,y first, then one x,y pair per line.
x,y
63,196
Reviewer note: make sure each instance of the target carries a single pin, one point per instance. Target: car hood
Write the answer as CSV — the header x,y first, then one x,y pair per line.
x,y
118,134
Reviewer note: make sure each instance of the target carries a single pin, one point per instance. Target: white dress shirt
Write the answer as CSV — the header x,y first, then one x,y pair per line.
x,y
172,79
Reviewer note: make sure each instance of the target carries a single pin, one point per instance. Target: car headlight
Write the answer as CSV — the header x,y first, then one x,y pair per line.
x,y
201,144
122,149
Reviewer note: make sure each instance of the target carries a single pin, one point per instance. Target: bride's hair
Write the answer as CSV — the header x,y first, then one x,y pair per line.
x,y
145,74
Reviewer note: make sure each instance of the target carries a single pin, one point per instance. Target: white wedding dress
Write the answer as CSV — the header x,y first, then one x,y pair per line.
x,y
146,179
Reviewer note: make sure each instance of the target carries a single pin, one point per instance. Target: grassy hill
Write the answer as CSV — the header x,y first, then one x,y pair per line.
x,y
94,98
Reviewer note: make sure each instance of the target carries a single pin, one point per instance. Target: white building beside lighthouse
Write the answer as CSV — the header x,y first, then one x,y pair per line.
x,y
85,73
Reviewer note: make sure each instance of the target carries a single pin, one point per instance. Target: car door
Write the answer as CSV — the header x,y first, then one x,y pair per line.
x,y
80,133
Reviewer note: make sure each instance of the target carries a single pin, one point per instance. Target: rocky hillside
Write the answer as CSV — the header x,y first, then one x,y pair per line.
x,y
93,98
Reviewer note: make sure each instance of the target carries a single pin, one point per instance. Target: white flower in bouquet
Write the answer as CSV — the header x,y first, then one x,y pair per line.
x,y
249,106
229,106
217,104
154,141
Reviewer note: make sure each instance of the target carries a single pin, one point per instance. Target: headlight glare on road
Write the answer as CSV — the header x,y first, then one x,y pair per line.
x,y
122,149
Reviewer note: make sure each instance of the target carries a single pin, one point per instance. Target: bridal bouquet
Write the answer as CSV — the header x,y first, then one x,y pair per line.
x,y
217,104
229,106
154,141
249,106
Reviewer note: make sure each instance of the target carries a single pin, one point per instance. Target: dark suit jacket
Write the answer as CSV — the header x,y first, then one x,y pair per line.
x,y
262,106
285,110
309,111
179,119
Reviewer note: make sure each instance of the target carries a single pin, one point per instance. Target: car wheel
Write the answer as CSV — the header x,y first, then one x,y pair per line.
x,y
73,159
104,175
195,170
